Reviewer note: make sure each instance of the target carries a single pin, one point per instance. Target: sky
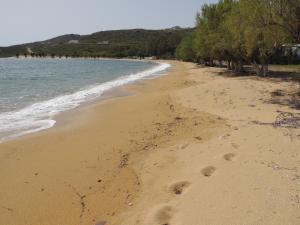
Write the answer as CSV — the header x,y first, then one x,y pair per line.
x,y
23,21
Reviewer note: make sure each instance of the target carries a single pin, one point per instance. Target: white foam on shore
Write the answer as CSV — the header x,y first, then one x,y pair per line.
x,y
39,116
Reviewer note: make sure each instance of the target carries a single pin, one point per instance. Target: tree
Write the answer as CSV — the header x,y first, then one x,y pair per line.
x,y
205,35
262,35
213,39
244,31
233,38
185,51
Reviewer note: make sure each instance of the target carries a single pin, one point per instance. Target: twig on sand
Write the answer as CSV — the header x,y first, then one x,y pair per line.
x,y
81,200
284,119
8,209
287,119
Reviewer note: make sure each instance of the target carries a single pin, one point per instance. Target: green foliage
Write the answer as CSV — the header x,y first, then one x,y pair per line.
x,y
214,39
260,32
286,16
185,51
243,31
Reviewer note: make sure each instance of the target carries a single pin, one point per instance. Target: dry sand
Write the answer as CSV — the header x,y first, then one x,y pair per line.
x,y
190,148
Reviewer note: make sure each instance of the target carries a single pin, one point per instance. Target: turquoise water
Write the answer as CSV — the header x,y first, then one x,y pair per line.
x,y
33,91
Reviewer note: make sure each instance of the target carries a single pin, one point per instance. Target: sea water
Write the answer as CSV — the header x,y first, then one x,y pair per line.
x,y
33,91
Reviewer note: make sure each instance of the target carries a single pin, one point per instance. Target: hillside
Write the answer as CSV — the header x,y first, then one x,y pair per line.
x,y
116,43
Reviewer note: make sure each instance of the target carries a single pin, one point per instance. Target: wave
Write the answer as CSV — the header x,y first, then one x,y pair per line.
x,y
39,116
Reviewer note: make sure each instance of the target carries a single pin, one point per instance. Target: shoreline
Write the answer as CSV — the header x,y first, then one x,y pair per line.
x,y
100,90
184,149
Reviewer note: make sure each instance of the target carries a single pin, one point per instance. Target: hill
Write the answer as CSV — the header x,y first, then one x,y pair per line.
x,y
115,43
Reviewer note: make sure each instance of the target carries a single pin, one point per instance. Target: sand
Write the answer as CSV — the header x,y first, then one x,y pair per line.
x,y
190,148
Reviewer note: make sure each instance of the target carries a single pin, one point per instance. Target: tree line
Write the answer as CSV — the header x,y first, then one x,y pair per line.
x,y
241,32
121,43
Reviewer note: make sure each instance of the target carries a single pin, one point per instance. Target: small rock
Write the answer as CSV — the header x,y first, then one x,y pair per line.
x,y
198,138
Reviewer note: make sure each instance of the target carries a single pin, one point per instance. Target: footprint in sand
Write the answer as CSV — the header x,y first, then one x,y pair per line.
x,y
229,156
178,187
208,171
161,215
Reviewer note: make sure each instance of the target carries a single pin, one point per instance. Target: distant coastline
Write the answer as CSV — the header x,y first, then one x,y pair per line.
x,y
138,43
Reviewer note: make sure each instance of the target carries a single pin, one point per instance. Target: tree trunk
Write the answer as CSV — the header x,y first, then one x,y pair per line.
x,y
234,66
240,67
257,69
229,65
265,69
220,63
261,70
237,66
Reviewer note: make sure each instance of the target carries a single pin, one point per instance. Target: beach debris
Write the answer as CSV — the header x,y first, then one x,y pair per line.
x,y
277,92
81,198
6,208
296,199
198,138
276,166
172,107
150,146
130,204
101,223
184,146
224,136
124,161
177,118
287,119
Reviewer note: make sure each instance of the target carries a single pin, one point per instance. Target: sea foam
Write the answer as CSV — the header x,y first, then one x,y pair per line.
x,y
39,116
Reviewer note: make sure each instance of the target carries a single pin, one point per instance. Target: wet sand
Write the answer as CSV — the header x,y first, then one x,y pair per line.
x,y
190,148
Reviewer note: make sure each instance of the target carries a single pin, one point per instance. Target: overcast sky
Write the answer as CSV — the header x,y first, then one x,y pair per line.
x,y
24,21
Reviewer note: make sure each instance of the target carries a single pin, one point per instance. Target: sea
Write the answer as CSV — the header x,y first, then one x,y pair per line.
x,y
34,91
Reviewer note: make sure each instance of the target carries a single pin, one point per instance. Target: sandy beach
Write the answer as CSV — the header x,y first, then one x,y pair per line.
x,y
191,148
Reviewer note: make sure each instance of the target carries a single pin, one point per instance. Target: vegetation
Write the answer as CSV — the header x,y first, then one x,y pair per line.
x,y
185,50
231,32
243,31
117,44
